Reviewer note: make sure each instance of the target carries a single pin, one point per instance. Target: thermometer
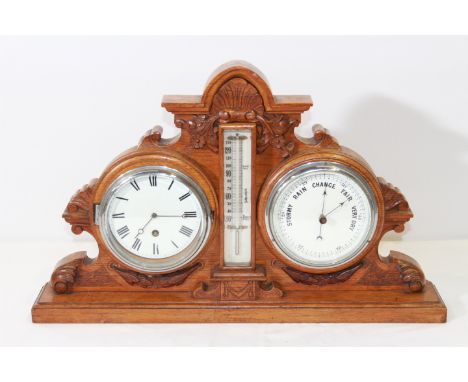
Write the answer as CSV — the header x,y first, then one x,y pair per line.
x,y
237,196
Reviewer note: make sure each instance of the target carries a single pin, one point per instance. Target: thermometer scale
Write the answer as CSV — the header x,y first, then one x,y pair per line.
x,y
237,193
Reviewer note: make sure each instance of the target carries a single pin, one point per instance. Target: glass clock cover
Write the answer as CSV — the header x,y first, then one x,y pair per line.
x,y
155,218
321,215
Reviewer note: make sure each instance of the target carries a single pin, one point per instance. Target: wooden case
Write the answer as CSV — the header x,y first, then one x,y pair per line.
x,y
370,289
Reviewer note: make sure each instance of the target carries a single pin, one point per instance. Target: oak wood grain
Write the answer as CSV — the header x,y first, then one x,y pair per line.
x,y
370,288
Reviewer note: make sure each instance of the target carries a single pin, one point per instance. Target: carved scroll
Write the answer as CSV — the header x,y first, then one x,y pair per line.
x,y
410,272
79,211
67,271
322,138
157,280
317,278
269,289
152,138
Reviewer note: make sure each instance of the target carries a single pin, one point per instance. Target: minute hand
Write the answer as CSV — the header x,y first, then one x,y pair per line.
x,y
338,206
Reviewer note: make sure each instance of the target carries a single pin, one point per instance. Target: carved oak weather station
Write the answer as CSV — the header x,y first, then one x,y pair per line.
x,y
238,220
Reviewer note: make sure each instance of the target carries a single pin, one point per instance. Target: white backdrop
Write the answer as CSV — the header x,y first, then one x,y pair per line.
x,y
69,105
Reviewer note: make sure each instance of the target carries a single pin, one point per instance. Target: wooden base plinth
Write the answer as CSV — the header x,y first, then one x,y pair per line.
x,y
172,307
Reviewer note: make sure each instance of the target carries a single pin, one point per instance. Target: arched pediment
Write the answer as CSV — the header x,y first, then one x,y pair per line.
x,y
225,74
237,92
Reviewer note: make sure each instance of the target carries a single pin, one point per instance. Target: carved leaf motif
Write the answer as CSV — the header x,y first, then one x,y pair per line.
x,y
79,211
318,278
158,280
202,130
271,130
394,199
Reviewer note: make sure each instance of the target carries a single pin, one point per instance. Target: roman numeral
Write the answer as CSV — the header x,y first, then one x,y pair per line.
x,y
119,197
120,215
155,249
175,245
137,244
124,231
171,184
186,231
189,214
153,180
135,185
185,196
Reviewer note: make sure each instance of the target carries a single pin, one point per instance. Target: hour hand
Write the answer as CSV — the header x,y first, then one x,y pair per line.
x,y
142,229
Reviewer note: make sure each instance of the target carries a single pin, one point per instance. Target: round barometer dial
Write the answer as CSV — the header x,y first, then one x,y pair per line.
x,y
155,218
321,215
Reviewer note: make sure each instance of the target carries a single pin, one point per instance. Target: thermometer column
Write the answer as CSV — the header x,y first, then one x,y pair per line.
x,y
237,194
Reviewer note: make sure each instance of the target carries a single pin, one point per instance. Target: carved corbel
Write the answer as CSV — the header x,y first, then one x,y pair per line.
x,y
67,272
79,211
410,271
397,210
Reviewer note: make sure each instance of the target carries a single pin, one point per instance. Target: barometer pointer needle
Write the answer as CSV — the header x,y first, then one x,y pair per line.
x,y
324,194
338,206
321,215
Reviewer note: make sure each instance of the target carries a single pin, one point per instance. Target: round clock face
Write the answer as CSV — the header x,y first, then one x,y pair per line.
x,y
321,215
155,218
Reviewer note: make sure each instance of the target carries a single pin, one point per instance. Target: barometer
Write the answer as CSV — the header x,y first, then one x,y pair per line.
x,y
236,219
321,215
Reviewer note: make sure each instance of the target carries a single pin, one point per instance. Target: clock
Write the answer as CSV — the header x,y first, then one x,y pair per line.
x,y
154,218
237,219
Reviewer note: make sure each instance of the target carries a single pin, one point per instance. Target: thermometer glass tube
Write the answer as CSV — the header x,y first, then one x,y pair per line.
x,y
237,197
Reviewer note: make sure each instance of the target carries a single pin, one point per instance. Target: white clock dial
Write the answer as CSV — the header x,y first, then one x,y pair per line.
x,y
155,218
321,215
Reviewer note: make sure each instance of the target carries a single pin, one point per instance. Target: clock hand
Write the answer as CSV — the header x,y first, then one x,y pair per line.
x,y
338,206
142,229
170,216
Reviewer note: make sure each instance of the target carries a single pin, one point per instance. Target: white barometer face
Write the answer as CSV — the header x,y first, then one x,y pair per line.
x,y
155,218
321,215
